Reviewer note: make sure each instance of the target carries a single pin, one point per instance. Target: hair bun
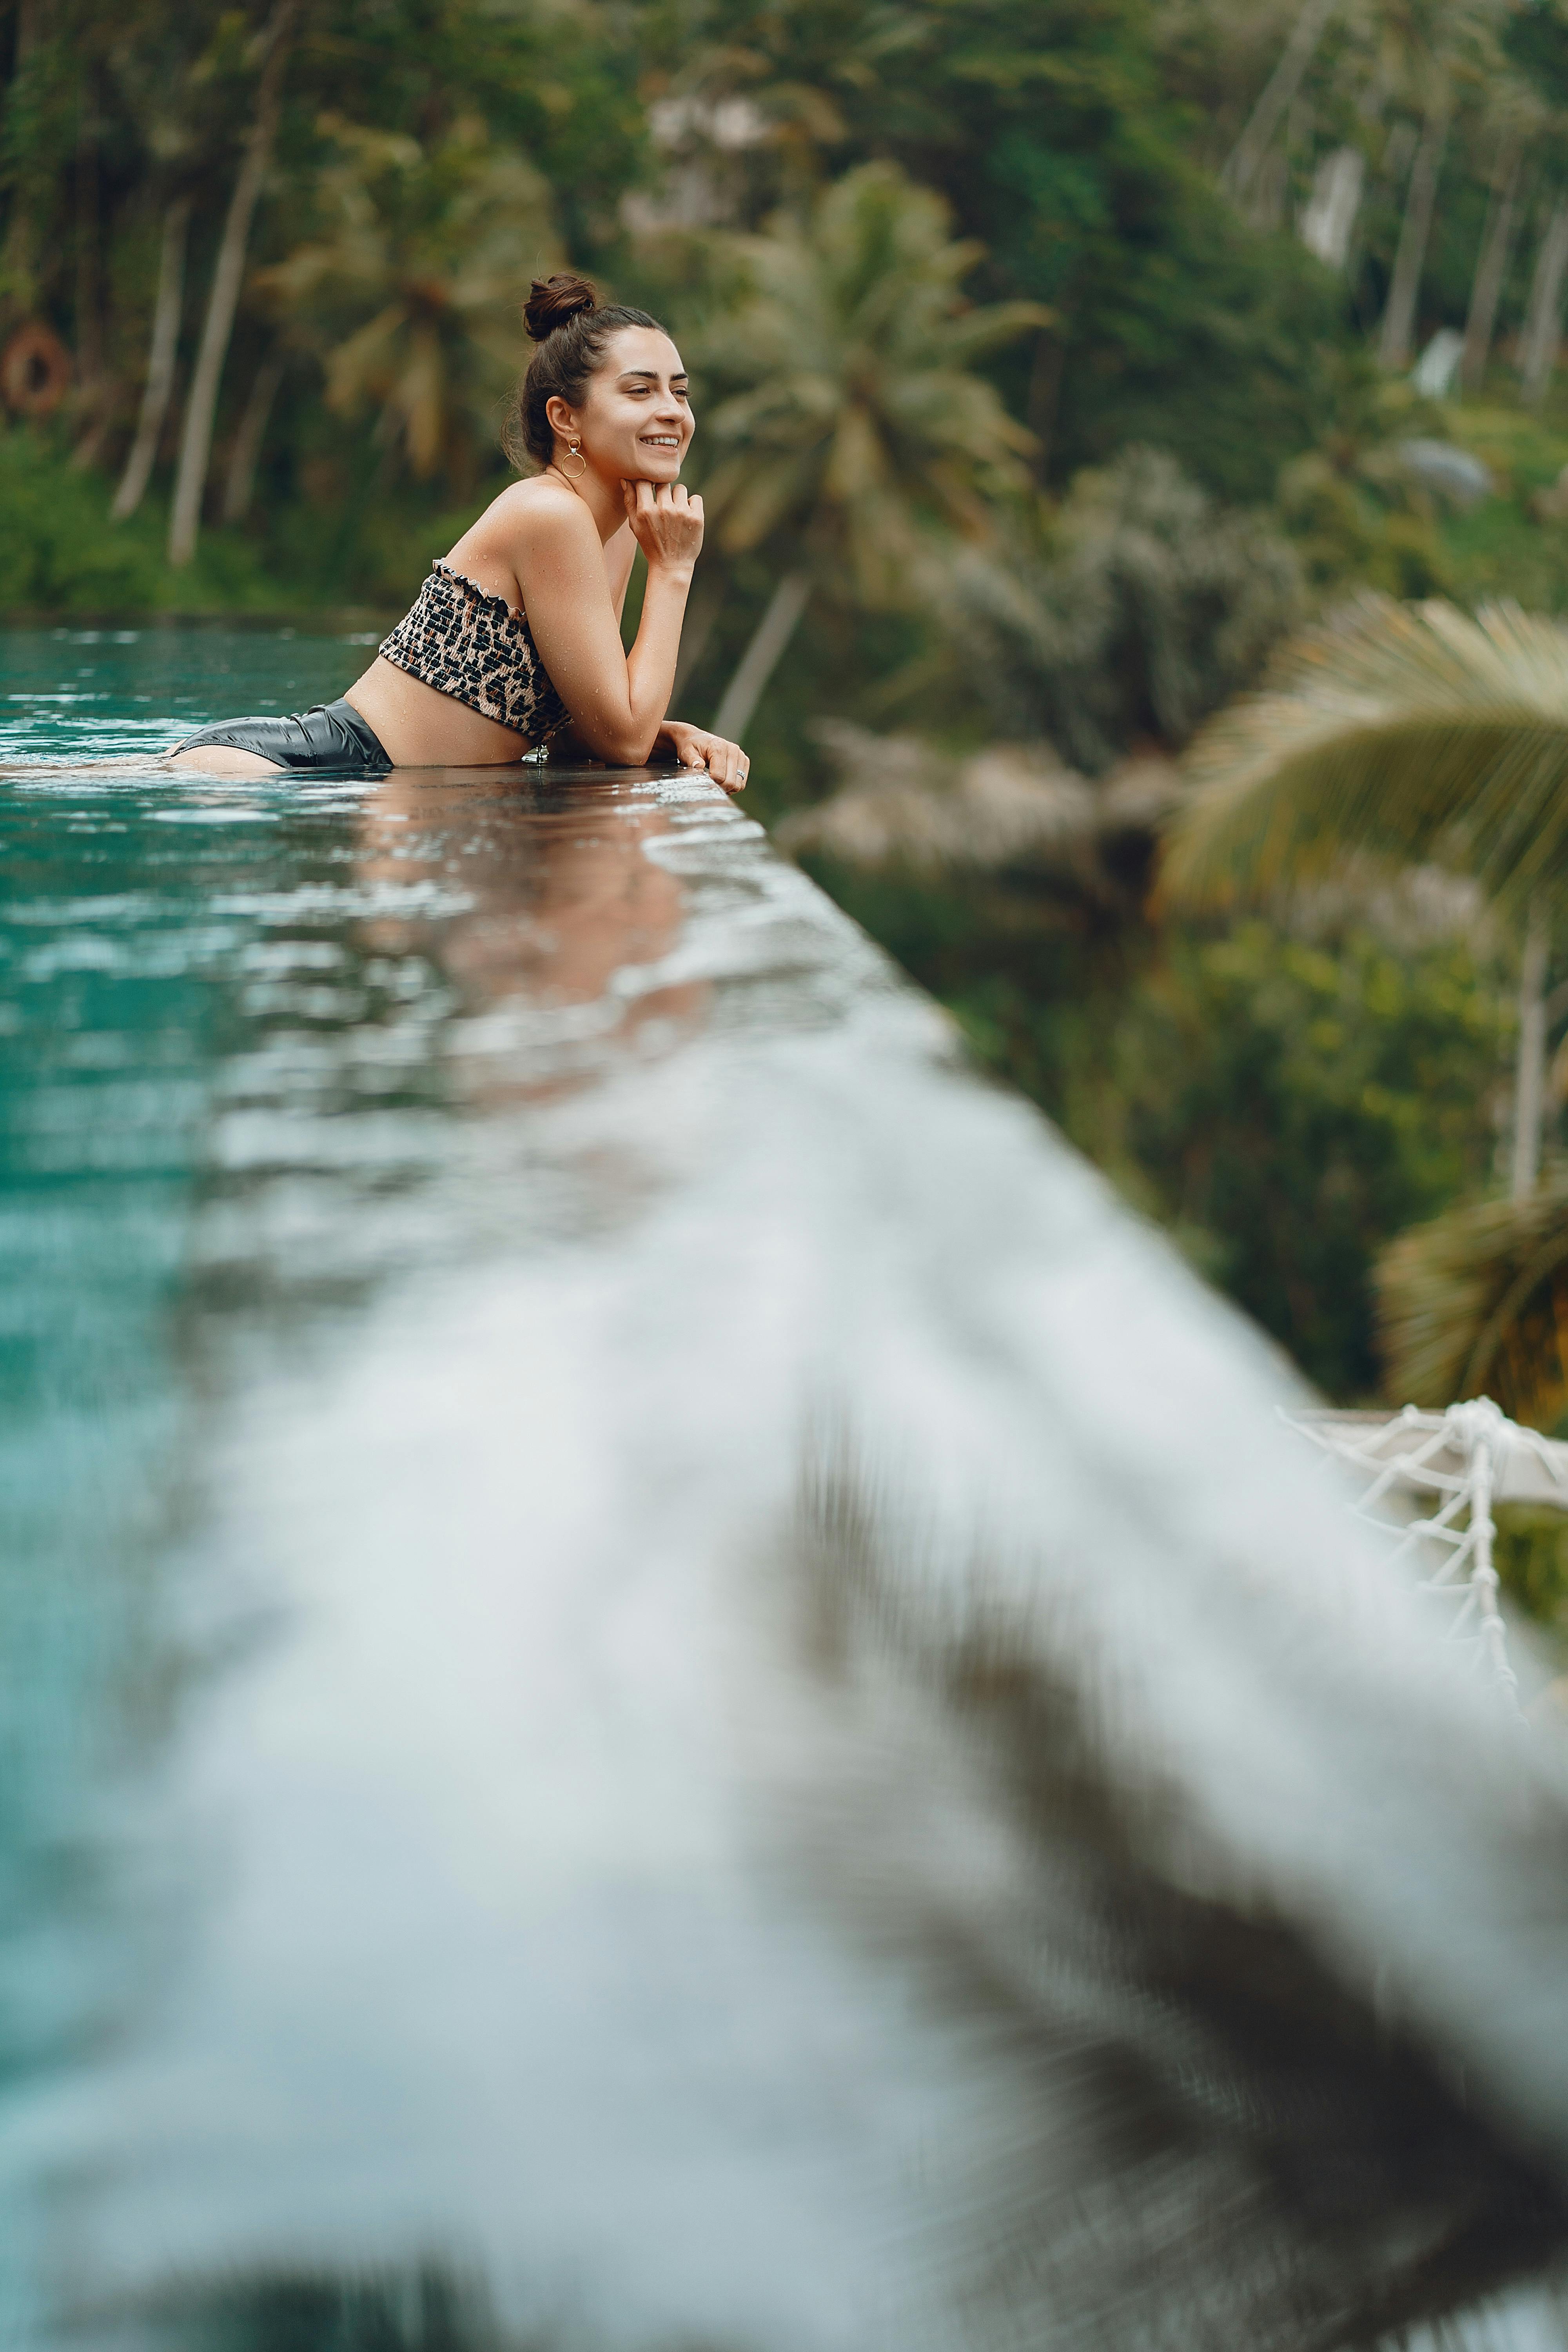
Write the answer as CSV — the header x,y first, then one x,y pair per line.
x,y
552,300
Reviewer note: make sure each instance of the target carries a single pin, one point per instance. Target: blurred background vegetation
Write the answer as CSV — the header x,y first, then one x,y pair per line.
x,y
1055,361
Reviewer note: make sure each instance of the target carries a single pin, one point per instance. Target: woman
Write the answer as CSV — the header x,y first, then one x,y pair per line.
x,y
515,637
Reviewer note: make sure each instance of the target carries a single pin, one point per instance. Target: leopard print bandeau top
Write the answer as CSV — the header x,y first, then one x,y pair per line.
x,y
478,650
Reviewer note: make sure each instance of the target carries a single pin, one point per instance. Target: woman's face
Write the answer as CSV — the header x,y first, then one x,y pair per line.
x,y
635,421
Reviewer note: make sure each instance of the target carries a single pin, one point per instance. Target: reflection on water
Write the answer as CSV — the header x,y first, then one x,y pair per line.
x,y
663,1687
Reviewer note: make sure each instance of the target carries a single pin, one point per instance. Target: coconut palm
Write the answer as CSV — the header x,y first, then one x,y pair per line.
x,y
1429,47
854,427
1543,334
1476,1304
1243,166
1518,119
1413,734
228,273
1144,606
1536,44
160,384
422,257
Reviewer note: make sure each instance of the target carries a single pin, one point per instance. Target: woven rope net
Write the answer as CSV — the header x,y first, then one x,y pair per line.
x,y
1427,1485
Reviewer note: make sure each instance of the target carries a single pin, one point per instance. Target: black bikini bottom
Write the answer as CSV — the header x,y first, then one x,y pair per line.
x,y
329,737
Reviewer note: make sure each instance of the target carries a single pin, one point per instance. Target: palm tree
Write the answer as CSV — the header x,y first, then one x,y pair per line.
x,y
1417,734
1535,42
1244,164
1429,46
1142,608
421,258
1476,1304
1543,320
228,273
1519,120
166,82
855,427
160,385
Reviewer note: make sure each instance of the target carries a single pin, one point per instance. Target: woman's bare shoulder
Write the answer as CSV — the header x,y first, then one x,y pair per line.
x,y
528,520
538,503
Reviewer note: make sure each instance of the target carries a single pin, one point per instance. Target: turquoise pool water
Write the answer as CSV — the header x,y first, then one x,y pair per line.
x,y
659,1683
108,692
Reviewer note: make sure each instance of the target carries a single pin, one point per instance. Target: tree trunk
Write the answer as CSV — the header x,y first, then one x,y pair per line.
x,y
88,310
1530,1078
239,487
166,308
758,663
86,449
1415,230
200,407
94,393
1245,157
1329,220
1491,266
1339,187
1543,327
1270,185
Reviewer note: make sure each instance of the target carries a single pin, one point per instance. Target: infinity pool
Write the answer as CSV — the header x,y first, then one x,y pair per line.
x,y
662,1686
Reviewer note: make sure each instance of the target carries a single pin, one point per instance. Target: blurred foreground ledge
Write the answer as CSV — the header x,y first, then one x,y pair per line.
x,y
752,1731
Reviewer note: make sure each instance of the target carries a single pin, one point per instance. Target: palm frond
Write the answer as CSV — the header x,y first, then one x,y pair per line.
x,y
361,368
748,497
1476,1304
1412,731
974,333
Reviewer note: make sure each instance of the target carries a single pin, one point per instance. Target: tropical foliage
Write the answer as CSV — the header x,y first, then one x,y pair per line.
x,y
1420,734
1409,735
855,424
1013,813
1475,1303
1293,1100
1139,609
408,291
1285,1095
855,411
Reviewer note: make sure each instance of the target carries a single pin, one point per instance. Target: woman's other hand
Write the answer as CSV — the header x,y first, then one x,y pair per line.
x,y
695,748
666,522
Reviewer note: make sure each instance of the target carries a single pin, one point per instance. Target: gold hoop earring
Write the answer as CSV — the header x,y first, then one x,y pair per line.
x,y
582,463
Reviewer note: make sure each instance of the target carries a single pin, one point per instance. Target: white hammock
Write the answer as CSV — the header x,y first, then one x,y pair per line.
x,y
1460,1463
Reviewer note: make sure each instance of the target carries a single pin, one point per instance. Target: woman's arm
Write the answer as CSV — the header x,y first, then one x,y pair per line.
x,y
620,554
616,699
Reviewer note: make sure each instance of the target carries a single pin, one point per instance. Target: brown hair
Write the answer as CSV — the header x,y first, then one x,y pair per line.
x,y
566,318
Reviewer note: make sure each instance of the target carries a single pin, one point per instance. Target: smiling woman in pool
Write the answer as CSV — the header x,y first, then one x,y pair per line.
x,y
515,638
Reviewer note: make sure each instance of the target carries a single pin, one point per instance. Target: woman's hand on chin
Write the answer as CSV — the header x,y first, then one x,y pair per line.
x,y
695,748
666,522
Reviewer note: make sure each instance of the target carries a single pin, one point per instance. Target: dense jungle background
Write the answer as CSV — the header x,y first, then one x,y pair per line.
x,y
1055,360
